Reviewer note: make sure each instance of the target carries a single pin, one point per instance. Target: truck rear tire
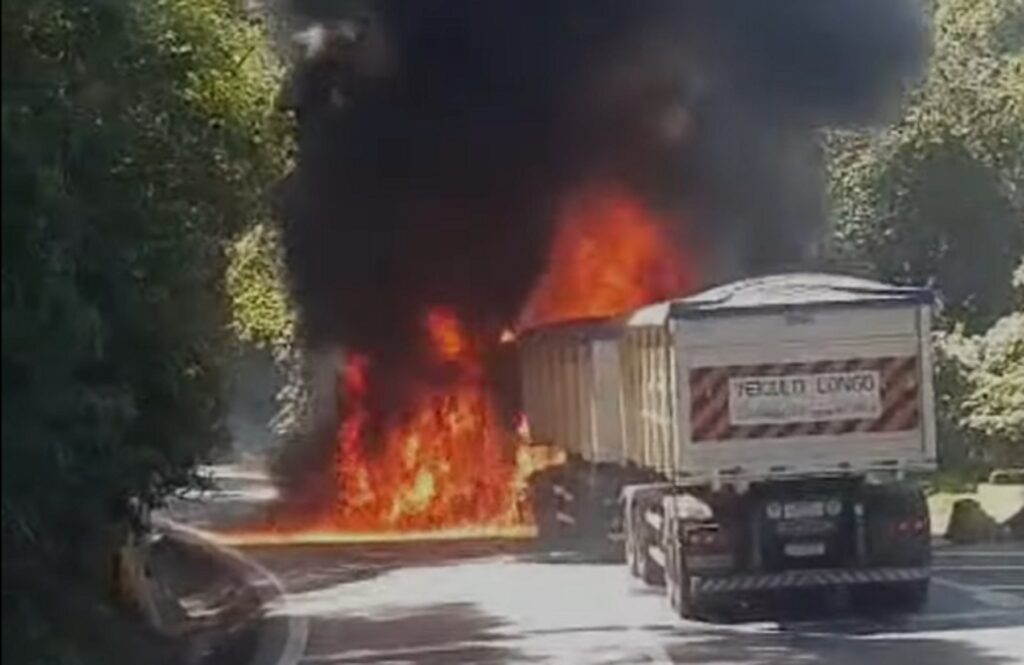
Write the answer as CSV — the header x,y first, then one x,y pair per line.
x,y
893,597
678,598
681,597
650,572
677,583
544,507
632,557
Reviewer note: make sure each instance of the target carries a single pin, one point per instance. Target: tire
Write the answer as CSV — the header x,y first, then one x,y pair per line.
x,y
650,572
678,588
681,597
898,597
677,597
544,510
632,559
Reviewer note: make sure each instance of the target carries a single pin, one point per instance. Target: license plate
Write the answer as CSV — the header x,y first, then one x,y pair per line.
x,y
805,549
795,510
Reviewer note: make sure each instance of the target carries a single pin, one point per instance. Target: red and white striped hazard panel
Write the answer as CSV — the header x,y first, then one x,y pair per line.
x,y
804,399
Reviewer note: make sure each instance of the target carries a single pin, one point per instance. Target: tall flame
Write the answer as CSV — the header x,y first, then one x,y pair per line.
x,y
611,254
448,466
448,462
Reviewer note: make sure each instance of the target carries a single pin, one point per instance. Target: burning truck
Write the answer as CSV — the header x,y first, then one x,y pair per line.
x,y
470,170
753,437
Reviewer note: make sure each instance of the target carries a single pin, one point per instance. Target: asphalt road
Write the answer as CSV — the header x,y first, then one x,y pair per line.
x,y
505,602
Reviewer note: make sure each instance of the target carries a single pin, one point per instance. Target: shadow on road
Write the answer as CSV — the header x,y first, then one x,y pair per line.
x,y
768,649
427,635
511,602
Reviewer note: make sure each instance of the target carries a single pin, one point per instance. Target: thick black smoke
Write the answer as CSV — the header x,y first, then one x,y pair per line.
x,y
438,136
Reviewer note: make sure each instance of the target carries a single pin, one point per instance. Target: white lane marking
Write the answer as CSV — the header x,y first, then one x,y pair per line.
x,y
298,626
975,567
399,654
983,595
968,553
1005,587
915,621
653,652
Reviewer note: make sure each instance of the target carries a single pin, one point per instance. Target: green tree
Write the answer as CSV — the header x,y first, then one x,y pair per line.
x,y
263,315
139,137
981,389
940,195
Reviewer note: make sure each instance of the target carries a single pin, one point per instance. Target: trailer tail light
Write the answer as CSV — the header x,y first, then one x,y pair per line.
x,y
706,538
910,527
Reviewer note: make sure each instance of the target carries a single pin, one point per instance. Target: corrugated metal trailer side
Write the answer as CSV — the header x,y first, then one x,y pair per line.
x,y
572,388
651,436
686,363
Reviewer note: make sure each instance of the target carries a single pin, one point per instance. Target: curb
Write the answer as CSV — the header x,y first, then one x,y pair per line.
x,y
283,639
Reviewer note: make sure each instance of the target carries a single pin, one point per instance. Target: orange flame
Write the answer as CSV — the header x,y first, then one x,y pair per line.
x,y
611,254
448,463
448,341
447,467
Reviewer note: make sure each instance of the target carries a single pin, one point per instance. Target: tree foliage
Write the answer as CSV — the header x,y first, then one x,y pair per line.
x,y
139,137
939,198
981,385
262,312
940,195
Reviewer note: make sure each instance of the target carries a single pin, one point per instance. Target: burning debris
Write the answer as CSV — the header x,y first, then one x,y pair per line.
x,y
446,461
465,166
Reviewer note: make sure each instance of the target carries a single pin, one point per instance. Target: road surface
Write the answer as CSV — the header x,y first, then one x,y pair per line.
x,y
505,602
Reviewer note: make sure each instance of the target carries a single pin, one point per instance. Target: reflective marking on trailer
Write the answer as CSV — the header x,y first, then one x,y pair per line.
x,y
563,493
806,578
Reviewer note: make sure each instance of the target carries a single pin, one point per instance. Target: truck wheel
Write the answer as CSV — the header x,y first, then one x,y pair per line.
x,y
632,559
676,596
678,587
650,572
894,597
544,509
681,596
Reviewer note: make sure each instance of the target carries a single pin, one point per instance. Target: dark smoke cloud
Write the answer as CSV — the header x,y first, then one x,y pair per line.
x,y
437,138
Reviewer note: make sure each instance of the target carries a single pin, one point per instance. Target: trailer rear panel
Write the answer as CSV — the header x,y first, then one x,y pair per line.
x,y
784,375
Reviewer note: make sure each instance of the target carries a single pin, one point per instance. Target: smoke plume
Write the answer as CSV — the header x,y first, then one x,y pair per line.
x,y
438,138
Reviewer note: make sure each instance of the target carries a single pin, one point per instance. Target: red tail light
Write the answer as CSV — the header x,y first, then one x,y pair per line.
x,y
914,526
712,540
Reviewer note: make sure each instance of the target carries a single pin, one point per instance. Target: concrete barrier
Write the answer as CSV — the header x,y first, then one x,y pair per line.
x,y
969,523
1001,502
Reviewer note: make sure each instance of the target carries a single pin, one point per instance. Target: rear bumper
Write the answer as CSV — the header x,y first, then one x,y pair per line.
x,y
824,577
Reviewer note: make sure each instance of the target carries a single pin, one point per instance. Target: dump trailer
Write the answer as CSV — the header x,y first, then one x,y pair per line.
x,y
766,430
572,396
